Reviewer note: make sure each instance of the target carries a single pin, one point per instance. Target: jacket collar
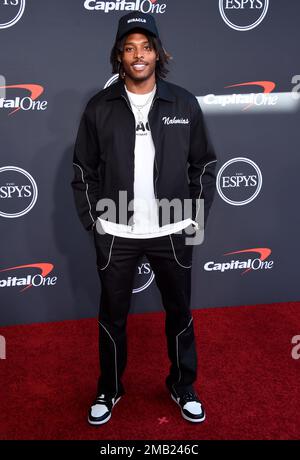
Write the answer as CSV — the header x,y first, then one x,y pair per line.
x,y
117,90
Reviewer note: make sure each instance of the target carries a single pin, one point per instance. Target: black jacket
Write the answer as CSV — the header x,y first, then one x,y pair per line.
x,y
184,165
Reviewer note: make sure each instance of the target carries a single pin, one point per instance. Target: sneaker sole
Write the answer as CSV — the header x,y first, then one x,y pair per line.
x,y
198,420
93,422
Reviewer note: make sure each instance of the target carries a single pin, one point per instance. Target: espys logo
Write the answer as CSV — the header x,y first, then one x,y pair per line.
x,y
145,6
112,80
11,11
18,192
144,277
264,98
30,280
28,102
239,181
243,15
257,263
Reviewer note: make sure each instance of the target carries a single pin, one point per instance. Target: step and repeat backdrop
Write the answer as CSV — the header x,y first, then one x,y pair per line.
x,y
239,58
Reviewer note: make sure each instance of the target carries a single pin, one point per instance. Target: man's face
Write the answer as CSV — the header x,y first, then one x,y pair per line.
x,y
138,58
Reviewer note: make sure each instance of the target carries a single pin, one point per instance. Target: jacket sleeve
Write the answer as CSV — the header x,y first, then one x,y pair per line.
x,y
202,163
85,183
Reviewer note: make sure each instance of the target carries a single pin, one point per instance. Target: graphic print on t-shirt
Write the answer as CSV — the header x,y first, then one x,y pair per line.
x,y
142,129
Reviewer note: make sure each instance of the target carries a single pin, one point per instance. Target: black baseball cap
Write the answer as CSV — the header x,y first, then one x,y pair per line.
x,y
134,20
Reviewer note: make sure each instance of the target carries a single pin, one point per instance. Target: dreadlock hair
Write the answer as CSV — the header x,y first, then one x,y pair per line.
x,y
155,43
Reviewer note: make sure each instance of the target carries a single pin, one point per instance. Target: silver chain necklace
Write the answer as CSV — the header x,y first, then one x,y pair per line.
x,y
139,107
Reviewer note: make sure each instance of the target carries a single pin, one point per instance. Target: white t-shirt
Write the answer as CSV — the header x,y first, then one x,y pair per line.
x,y
145,209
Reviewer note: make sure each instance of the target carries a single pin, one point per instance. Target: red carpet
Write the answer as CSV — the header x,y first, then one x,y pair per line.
x,y
248,380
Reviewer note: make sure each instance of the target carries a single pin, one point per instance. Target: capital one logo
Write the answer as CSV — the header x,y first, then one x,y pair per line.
x,y
239,181
29,279
243,15
28,101
253,259
145,6
245,100
11,11
18,192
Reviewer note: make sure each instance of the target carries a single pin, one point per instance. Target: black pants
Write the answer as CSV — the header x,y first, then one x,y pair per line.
x,y
171,261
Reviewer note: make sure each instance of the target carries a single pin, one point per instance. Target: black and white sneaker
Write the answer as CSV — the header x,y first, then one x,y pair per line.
x,y
191,407
100,411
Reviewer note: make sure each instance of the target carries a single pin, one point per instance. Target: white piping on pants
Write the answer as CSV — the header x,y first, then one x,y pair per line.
x,y
179,378
116,372
109,256
184,266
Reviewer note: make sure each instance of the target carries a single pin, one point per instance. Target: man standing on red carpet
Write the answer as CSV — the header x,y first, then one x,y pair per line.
x,y
141,147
